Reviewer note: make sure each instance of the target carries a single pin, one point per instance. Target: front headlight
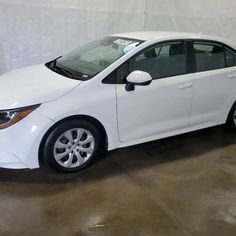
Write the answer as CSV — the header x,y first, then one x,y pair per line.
x,y
11,117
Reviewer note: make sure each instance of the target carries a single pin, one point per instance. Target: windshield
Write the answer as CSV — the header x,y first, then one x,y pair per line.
x,y
90,59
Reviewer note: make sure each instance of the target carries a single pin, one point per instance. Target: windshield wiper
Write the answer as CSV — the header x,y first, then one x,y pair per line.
x,y
62,70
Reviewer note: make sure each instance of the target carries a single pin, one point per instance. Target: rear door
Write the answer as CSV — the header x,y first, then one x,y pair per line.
x,y
214,82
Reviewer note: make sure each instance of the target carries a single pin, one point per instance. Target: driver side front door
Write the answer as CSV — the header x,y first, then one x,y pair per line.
x,y
164,105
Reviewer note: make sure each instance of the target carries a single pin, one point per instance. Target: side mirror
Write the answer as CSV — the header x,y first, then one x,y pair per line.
x,y
137,78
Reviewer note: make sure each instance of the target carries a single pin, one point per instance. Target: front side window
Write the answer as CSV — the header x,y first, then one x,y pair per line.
x,y
160,61
208,56
90,59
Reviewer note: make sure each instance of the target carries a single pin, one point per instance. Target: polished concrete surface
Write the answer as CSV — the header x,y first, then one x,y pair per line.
x,y
183,185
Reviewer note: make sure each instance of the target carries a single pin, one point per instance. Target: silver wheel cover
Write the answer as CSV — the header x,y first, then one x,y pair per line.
x,y
74,148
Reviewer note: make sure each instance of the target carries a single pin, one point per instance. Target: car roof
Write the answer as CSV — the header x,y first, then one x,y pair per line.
x,y
170,35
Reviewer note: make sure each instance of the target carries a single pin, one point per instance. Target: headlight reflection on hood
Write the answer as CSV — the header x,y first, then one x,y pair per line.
x,y
11,117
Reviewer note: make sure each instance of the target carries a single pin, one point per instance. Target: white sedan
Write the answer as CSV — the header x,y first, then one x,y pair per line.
x,y
118,91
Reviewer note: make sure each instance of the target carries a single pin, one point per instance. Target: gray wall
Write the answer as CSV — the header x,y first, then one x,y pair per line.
x,y
34,31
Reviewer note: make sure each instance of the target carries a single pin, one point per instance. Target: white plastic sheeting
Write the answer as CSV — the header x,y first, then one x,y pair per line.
x,y
34,31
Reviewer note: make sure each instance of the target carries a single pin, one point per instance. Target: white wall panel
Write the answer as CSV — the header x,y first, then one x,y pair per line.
x,y
34,31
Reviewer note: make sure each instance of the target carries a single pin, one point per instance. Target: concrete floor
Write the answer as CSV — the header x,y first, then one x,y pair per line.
x,y
184,185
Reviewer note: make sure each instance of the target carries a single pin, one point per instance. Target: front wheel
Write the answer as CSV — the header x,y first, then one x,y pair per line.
x,y
231,121
72,146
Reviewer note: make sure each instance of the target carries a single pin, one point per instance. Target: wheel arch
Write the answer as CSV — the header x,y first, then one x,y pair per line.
x,y
230,111
91,119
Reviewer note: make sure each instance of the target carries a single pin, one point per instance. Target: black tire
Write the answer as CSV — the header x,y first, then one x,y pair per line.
x,y
48,146
231,120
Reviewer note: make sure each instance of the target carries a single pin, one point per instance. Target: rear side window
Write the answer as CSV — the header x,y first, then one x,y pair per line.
x,y
209,56
230,57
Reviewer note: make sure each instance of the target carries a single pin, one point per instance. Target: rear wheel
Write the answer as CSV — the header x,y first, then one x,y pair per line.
x,y
72,146
231,121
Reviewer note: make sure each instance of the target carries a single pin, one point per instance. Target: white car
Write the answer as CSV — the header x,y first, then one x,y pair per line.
x,y
118,91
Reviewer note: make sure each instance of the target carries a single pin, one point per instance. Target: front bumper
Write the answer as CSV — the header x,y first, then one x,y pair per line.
x,y
10,161
19,144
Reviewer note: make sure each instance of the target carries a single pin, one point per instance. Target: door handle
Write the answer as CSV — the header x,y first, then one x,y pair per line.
x,y
233,76
185,86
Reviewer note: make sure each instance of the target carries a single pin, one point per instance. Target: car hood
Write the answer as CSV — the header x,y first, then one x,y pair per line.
x,y
33,85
